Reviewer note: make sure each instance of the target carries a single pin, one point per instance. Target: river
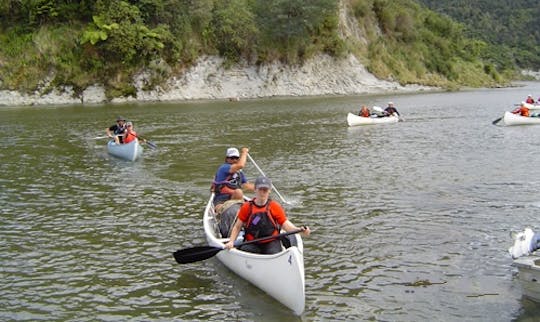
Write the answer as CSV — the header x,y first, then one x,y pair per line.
x,y
410,221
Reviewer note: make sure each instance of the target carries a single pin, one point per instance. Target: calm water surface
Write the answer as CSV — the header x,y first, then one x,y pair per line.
x,y
410,221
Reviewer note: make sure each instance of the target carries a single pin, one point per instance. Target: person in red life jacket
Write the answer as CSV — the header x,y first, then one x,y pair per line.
x,y
130,134
530,99
229,179
522,110
262,217
117,130
364,111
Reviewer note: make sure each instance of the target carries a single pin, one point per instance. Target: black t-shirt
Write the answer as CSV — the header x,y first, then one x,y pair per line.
x,y
118,130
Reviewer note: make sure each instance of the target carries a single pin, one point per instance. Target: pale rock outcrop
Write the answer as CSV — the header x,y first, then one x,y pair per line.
x,y
208,79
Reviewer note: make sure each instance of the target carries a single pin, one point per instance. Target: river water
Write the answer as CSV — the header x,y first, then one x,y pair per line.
x,y
410,221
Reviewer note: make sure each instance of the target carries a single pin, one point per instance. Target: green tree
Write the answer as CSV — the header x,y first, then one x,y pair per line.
x,y
234,30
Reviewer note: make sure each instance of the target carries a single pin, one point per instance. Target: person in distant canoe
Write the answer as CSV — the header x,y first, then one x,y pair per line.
x,y
530,99
117,130
390,110
522,110
364,111
262,217
229,179
130,134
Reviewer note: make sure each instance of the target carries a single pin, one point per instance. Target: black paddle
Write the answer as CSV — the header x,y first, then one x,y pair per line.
x,y
199,253
496,121
151,144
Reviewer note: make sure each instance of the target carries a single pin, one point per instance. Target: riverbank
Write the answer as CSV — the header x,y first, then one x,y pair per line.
x,y
207,79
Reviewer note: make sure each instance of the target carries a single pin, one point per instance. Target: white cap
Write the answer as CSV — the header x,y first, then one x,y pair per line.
x,y
232,152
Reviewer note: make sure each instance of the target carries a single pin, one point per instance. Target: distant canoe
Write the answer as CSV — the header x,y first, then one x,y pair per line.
x,y
510,118
130,152
354,120
532,106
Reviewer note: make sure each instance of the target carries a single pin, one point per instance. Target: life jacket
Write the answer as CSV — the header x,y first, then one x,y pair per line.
x,y
260,224
364,112
130,136
227,186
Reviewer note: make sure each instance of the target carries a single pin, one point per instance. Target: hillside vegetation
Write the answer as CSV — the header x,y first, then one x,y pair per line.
x,y
82,43
513,30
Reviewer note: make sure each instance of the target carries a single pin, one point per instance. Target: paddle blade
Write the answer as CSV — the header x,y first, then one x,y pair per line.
x,y
496,121
151,145
195,254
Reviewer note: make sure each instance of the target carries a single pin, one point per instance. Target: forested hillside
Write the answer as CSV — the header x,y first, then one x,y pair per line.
x,y
109,42
513,25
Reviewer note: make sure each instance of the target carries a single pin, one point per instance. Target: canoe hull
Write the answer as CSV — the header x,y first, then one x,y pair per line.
x,y
529,275
355,120
280,275
130,152
515,119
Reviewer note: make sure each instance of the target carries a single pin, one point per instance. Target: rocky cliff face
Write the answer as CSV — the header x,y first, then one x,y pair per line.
x,y
322,75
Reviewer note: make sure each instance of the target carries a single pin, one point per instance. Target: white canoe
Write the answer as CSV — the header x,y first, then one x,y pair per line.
x,y
532,106
280,275
529,275
354,120
131,151
510,118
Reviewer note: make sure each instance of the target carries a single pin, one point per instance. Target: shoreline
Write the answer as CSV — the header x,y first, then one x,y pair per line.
x,y
208,80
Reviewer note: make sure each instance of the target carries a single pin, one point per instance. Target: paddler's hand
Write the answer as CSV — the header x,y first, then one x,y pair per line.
x,y
229,244
305,231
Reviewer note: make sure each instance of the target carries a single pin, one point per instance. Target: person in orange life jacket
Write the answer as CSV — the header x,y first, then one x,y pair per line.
x,y
390,109
262,217
130,134
117,130
364,111
522,110
229,179
530,99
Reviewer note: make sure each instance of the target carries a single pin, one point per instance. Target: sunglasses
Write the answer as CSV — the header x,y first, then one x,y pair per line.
x,y
236,158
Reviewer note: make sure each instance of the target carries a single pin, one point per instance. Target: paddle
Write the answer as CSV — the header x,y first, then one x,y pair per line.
x,y
150,144
496,121
199,253
262,173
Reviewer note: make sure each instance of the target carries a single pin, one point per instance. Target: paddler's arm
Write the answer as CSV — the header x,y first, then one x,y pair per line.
x,y
241,162
289,226
234,233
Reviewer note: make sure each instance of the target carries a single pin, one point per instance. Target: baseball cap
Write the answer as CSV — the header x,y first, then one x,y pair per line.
x,y
232,152
120,118
263,182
